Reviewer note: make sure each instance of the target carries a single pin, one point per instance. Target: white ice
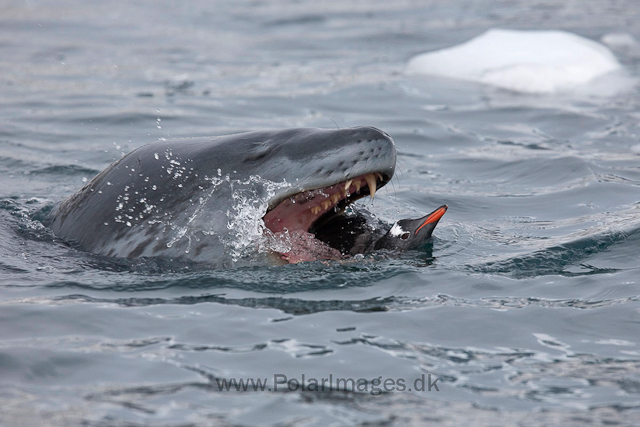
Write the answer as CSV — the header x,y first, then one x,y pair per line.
x,y
522,61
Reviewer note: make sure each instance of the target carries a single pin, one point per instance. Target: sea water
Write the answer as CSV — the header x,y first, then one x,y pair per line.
x,y
525,308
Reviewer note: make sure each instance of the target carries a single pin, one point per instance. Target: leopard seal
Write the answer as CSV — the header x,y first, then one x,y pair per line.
x,y
216,199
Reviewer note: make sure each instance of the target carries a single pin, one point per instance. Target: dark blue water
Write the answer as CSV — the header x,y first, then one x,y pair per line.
x,y
526,310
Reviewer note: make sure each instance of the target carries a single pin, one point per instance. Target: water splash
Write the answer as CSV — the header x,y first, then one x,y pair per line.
x,y
247,232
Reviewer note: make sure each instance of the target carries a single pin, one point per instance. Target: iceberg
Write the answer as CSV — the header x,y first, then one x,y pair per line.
x,y
521,61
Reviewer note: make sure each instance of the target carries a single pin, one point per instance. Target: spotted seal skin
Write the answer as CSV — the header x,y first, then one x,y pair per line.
x,y
186,198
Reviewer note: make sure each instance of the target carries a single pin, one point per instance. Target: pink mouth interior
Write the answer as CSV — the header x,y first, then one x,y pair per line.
x,y
296,214
300,211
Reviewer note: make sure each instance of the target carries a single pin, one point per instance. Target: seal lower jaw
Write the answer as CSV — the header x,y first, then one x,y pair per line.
x,y
297,214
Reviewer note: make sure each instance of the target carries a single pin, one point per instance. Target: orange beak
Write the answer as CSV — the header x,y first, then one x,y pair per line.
x,y
434,217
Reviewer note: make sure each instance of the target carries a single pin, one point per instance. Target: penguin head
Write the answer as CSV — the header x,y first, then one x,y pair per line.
x,y
409,234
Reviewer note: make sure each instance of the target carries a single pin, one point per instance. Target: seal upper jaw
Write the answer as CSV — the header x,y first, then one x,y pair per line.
x,y
301,210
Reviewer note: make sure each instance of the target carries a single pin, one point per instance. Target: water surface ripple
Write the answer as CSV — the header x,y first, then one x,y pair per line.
x,y
525,308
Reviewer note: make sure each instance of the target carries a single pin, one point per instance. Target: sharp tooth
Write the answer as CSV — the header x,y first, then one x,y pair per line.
x,y
357,184
335,198
379,175
347,185
371,182
315,210
326,204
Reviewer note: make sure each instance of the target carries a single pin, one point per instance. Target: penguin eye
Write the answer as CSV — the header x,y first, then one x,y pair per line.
x,y
405,236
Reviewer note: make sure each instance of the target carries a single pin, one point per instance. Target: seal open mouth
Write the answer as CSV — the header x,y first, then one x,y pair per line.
x,y
298,214
300,211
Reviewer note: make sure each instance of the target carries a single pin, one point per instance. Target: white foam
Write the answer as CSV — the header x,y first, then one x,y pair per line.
x,y
522,61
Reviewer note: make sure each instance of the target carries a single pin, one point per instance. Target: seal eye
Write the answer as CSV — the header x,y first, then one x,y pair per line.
x,y
405,236
260,151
